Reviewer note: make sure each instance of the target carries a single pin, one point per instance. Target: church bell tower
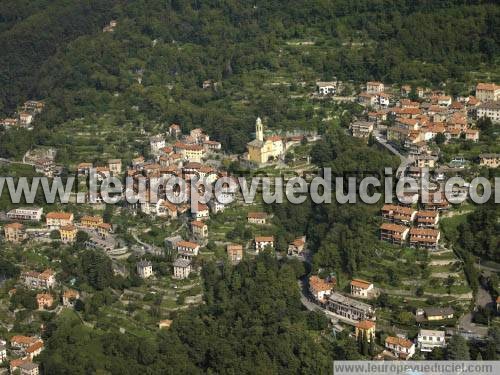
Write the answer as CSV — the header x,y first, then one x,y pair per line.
x,y
259,130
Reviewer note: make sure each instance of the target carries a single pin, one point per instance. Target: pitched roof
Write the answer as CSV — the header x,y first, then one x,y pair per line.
x,y
189,244
424,232
198,223
257,215
365,324
438,311
35,347
393,227
319,285
96,219
71,293
361,283
424,214
68,228
23,340
181,262
14,226
487,86
59,215
234,247
399,341
27,365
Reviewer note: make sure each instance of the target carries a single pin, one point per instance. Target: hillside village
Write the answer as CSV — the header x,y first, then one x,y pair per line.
x,y
408,122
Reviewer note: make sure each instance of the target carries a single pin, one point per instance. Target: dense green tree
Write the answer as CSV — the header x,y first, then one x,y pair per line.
x,y
457,349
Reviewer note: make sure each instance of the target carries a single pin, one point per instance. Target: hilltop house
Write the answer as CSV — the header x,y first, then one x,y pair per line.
x,y
199,229
44,301
104,229
115,166
487,92
91,221
490,110
424,237
320,288
187,249
489,160
394,233
261,242
68,233
28,368
361,288
234,253
174,130
14,232
69,297
365,328
202,212
398,214
429,339
427,219
374,87
435,313
400,347
326,88
257,217
25,213
57,219
156,143
144,269
361,129
297,246
182,268
36,280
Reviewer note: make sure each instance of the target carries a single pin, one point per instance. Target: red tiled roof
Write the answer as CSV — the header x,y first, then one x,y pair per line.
x,y
360,283
393,227
319,285
59,215
14,226
189,244
398,341
365,324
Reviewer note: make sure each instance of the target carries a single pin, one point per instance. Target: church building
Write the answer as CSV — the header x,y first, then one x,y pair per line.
x,y
261,151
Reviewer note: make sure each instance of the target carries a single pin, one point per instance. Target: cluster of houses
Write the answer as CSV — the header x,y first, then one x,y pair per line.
x,y
43,160
25,116
184,251
347,307
22,350
418,121
406,225
350,308
15,232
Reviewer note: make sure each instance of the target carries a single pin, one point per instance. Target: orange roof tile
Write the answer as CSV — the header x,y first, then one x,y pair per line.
x,y
59,215
319,285
399,341
361,283
365,324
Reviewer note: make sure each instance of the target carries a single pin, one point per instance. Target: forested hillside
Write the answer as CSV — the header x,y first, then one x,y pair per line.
x,y
252,323
150,70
